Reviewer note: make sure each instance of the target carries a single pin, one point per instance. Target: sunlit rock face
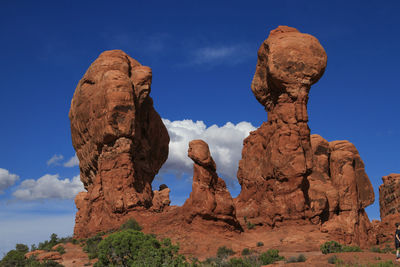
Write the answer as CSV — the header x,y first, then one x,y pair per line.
x,y
209,200
119,138
286,175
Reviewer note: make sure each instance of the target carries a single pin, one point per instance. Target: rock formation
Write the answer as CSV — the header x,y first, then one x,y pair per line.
x,y
277,157
161,199
209,199
285,175
119,138
389,203
339,191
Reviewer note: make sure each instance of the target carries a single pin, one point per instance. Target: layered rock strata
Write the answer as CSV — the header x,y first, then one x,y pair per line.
x,y
209,200
119,138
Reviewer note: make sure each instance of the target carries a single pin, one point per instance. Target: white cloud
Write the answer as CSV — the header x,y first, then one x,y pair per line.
x,y
55,160
49,187
231,54
72,162
7,179
225,144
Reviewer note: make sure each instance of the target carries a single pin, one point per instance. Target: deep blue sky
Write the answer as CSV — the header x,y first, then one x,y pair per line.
x,y
203,55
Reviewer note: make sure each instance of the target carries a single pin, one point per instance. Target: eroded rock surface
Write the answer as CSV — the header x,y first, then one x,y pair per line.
x,y
277,157
209,199
389,203
286,175
119,138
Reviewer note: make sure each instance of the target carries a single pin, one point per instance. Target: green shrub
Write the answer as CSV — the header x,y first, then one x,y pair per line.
x,y
91,244
131,224
47,245
246,252
60,249
376,249
300,258
351,249
331,247
243,262
224,252
249,225
16,258
260,244
133,248
271,256
333,260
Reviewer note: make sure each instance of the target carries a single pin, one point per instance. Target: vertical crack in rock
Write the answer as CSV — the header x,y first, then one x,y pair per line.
x,y
119,138
307,177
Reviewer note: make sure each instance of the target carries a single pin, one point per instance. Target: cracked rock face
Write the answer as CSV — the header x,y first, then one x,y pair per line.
x,y
277,157
389,203
119,138
286,175
209,200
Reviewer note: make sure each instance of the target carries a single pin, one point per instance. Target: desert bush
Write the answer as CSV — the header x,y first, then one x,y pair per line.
x,y
300,258
260,244
131,224
271,256
91,244
134,248
60,249
333,260
243,262
16,258
331,247
246,252
224,252
48,244
376,250
351,249
249,225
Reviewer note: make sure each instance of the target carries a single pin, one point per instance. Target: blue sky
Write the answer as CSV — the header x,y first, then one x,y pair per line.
x,y
203,55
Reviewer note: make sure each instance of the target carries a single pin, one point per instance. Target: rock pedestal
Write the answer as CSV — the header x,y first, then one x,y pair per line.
x,y
209,200
286,175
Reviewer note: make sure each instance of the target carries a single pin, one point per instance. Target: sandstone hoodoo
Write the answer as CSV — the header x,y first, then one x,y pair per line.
x,y
119,138
389,203
285,175
209,199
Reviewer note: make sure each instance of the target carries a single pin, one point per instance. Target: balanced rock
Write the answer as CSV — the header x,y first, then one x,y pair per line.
x,y
286,175
277,157
119,138
209,199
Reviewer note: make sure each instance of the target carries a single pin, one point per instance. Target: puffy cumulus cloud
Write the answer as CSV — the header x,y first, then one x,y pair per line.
x,y
225,144
7,179
49,187
72,162
55,160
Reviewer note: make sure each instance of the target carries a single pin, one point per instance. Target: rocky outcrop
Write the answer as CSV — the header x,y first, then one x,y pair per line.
x,y
277,157
389,203
287,175
161,199
119,138
209,200
339,191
